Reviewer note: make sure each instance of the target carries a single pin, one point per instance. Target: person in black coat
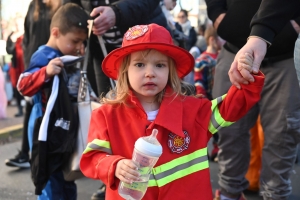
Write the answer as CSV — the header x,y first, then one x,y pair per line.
x,y
186,27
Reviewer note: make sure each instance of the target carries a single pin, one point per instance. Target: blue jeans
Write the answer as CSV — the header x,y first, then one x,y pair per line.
x,y
59,189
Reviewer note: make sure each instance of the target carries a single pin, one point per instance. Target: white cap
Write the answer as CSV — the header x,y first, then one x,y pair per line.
x,y
149,145
147,148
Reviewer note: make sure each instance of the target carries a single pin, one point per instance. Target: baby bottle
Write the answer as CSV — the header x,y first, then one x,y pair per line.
x,y
145,155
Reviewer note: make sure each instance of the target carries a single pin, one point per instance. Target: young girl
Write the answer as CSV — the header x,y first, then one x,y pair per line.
x,y
149,95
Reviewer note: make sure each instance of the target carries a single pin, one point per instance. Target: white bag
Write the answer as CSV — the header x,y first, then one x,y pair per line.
x,y
72,170
85,106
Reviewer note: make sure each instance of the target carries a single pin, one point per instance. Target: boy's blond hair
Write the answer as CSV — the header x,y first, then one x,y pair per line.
x,y
121,93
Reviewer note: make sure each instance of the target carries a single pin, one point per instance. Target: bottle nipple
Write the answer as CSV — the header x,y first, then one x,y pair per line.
x,y
152,137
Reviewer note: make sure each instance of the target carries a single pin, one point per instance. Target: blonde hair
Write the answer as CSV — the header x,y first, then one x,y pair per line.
x,y
121,92
210,31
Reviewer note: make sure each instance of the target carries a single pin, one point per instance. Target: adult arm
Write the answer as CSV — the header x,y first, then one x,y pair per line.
x,y
269,20
216,11
272,16
26,37
123,14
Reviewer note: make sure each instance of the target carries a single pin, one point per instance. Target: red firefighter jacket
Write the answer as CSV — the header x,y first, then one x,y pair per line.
x,y
185,125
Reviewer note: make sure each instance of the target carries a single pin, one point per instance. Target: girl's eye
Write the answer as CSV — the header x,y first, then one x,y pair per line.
x,y
139,64
160,65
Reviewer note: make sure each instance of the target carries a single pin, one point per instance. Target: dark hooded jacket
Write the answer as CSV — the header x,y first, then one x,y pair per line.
x,y
130,12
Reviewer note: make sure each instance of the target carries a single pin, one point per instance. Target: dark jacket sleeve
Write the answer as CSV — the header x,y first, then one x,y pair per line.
x,y
215,8
192,38
133,12
10,45
26,37
272,16
11,49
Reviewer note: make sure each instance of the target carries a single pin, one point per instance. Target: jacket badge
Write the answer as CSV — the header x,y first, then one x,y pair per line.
x,y
178,144
136,31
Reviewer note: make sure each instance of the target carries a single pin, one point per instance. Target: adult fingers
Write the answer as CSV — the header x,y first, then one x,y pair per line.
x,y
256,63
98,31
96,11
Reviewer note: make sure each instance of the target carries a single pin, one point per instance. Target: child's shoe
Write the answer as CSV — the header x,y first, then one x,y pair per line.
x,y
20,160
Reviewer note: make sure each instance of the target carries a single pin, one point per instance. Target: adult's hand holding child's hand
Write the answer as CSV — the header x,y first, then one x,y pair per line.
x,y
53,67
127,171
255,47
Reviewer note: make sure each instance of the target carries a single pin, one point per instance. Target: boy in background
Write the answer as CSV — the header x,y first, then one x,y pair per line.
x,y
68,31
204,73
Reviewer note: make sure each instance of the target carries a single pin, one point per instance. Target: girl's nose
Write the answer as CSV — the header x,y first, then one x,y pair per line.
x,y
149,72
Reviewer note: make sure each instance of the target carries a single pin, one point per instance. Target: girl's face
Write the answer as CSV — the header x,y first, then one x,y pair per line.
x,y
148,74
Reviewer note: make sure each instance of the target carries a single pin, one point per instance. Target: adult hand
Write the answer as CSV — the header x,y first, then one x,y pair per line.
x,y
105,20
219,20
126,171
296,26
255,47
15,36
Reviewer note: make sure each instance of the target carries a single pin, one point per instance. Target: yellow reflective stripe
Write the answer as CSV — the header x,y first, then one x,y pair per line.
x,y
99,145
217,122
216,101
179,168
222,122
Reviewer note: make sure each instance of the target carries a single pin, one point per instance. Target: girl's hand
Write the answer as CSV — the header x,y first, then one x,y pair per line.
x,y
53,67
127,171
245,62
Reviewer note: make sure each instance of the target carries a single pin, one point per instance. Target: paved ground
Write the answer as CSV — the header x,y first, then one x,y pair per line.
x,y
11,120
16,184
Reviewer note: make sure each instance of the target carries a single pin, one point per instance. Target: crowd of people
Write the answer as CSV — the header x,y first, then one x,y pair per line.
x,y
234,86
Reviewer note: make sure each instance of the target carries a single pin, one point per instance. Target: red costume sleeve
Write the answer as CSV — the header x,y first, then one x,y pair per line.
x,y
238,102
97,161
30,83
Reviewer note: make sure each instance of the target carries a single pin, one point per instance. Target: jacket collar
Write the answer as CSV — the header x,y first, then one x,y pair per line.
x,y
170,112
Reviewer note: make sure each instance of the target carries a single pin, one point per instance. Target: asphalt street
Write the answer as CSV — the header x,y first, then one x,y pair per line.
x,y
16,184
